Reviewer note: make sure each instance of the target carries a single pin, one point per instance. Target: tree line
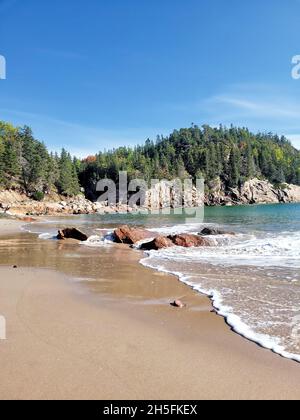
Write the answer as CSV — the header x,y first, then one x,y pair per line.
x,y
26,164
231,155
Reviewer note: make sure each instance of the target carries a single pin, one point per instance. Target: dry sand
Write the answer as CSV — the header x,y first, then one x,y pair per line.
x,y
65,342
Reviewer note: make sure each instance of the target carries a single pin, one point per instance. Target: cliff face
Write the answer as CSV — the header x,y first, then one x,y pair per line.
x,y
254,191
163,195
169,194
257,191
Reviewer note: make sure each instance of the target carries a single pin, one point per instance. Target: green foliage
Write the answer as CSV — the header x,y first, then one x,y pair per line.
x,y
38,196
25,163
68,183
230,155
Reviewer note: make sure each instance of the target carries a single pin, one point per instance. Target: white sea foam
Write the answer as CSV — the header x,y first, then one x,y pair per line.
x,y
178,229
263,311
258,303
47,236
96,241
272,251
236,323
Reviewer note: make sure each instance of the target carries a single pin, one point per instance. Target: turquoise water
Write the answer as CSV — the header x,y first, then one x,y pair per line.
x,y
253,277
265,217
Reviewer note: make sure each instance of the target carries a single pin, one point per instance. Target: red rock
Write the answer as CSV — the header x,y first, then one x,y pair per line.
x,y
130,236
72,233
178,304
189,241
158,243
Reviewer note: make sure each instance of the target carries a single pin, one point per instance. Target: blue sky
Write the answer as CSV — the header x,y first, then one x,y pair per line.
x,y
102,73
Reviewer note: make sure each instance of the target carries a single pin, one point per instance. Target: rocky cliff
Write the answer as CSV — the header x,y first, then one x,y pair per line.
x,y
163,195
254,191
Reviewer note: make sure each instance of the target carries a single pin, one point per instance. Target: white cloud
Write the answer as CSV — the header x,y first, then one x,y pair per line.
x,y
259,107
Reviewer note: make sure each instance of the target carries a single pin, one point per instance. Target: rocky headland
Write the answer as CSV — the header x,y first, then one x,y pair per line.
x,y
164,195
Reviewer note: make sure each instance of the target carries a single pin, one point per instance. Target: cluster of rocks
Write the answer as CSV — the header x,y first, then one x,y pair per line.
x,y
148,240
18,204
134,235
163,195
131,236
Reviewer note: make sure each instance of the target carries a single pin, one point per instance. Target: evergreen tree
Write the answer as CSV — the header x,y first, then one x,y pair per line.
x,y
234,169
216,153
250,165
68,180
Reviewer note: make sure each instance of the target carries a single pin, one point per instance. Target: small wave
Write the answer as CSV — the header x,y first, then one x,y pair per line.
x,y
227,312
96,241
272,251
47,236
178,229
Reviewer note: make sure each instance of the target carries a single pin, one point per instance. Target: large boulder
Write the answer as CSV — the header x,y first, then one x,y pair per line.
x,y
214,232
188,241
72,233
160,242
131,235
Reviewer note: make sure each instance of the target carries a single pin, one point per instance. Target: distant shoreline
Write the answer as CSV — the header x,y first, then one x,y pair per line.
x,y
254,192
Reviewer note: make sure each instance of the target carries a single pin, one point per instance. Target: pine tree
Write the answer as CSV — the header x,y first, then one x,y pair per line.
x,y
250,165
234,169
68,180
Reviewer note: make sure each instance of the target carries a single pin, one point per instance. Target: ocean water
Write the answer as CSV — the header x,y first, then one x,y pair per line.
x,y
253,278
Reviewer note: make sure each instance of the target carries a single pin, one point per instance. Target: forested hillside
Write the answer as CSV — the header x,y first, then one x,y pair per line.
x,y
25,163
232,155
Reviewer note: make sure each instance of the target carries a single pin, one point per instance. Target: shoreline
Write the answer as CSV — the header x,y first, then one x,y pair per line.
x,y
254,192
165,353
235,324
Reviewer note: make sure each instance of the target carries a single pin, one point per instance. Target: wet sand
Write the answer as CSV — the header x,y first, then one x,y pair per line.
x,y
117,337
9,226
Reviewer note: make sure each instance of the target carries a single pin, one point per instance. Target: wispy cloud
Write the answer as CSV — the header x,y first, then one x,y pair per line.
x,y
259,107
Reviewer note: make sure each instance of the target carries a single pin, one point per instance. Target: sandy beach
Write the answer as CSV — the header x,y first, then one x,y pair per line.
x,y
65,340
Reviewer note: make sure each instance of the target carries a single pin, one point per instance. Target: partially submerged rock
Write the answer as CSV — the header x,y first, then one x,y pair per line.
x,y
183,240
160,242
131,235
188,241
214,232
72,233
